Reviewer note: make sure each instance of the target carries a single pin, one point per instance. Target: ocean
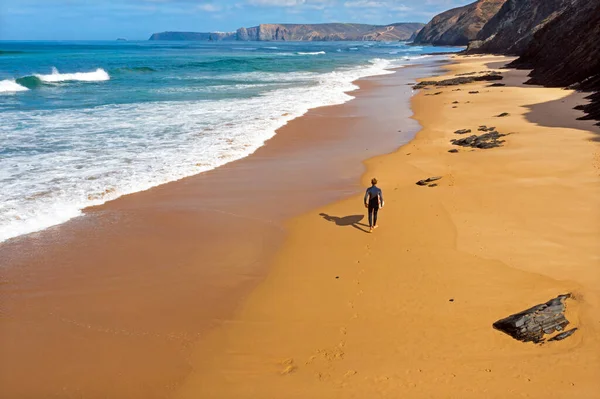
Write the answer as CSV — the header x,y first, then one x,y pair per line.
x,y
83,123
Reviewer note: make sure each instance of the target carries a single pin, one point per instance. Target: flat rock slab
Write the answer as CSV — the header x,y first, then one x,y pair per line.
x,y
502,115
425,182
533,324
484,141
459,80
463,131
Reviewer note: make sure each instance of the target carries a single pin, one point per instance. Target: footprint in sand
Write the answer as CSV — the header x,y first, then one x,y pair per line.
x,y
288,366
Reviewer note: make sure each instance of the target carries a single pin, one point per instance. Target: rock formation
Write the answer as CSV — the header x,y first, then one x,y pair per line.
x,y
304,32
566,52
511,30
533,324
180,36
457,27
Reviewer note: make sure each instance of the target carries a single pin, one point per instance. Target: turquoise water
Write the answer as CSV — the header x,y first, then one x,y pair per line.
x,y
87,122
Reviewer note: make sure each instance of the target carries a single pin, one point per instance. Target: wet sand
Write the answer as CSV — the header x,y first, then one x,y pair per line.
x,y
408,310
113,303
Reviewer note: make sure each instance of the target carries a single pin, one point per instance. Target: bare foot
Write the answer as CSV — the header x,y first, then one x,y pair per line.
x,y
370,229
376,226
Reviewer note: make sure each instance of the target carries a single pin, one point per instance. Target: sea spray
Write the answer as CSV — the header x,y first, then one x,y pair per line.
x,y
9,86
98,75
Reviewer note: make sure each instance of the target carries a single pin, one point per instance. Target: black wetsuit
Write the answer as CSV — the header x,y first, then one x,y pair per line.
x,y
372,197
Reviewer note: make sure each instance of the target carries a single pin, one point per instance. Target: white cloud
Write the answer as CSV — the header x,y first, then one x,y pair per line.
x,y
208,7
276,3
390,5
365,4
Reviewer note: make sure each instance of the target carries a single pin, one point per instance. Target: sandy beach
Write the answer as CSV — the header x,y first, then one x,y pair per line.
x,y
112,303
408,311
273,287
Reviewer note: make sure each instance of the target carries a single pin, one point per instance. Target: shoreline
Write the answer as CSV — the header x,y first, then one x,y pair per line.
x,y
337,96
144,276
409,309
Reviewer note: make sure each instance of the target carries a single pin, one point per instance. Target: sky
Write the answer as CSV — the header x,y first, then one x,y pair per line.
x,y
138,19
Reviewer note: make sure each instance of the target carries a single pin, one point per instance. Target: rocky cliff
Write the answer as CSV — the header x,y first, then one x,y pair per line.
x,y
511,30
304,32
460,25
182,36
566,52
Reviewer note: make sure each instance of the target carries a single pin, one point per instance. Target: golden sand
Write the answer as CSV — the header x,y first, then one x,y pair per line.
x,y
407,312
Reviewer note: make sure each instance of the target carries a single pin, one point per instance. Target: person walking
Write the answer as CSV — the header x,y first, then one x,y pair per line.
x,y
373,201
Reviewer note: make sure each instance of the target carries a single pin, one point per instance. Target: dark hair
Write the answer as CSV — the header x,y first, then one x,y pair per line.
x,y
373,181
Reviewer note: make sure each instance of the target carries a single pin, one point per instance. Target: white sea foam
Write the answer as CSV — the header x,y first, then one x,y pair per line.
x,y
311,53
8,86
96,76
118,149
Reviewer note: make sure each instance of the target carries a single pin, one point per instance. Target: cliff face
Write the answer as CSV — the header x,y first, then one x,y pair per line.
x,y
299,32
460,25
511,30
566,52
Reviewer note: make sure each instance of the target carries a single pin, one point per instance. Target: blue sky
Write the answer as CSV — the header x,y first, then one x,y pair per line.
x,y
137,19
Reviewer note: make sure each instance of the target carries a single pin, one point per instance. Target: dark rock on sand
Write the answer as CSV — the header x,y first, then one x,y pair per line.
x,y
532,324
454,150
474,92
463,131
454,102
428,180
485,141
563,335
484,128
496,85
459,80
502,115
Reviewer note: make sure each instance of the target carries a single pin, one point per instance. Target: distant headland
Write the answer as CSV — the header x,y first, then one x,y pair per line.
x,y
305,32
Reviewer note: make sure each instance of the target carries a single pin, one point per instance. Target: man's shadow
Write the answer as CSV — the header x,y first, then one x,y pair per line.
x,y
353,220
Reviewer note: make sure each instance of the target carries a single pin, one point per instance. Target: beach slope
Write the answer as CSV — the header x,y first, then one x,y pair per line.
x,y
408,310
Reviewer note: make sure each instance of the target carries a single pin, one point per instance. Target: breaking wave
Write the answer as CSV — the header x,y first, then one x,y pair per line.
x,y
11,86
98,75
